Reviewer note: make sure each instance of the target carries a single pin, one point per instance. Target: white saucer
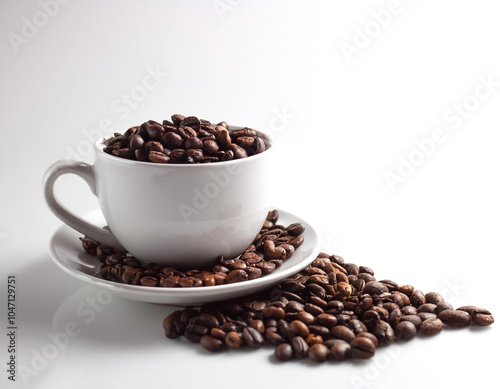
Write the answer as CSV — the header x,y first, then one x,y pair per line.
x,y
67,253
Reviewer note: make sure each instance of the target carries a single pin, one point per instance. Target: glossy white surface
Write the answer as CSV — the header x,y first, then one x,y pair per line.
x,y
181,215
66,251
338,128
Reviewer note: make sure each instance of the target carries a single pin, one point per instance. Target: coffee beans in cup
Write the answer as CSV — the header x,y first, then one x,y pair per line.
x,y
186,140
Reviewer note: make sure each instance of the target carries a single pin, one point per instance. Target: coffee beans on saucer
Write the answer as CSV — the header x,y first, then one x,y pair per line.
x,y
273,245
331,310
186,140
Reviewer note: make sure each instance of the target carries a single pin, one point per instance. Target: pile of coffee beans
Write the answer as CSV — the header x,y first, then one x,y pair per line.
x,y
185,140
273,245
332,310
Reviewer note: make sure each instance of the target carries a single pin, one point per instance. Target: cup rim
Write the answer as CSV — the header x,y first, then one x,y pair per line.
x,y
99,143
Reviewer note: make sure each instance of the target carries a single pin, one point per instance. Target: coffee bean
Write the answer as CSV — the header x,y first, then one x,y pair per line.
x,y
455,319
284,352
433,298
318,352
431,326
342,332
190,121
362,347
300,346
375,287
480,316
443,306
211,343
173,325
414,319
426,315
158,157
370,336
427,307
233,340
340,351
298,328
193,143
252,337
384,333
405,330
417,298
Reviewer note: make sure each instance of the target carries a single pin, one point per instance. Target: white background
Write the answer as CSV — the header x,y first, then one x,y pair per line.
x,y
342,120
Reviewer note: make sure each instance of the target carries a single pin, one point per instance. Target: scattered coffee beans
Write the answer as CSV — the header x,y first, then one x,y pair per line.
x,y
331,310
271,247
185,140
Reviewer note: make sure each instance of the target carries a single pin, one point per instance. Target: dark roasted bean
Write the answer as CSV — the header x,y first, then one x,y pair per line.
x,y
252,337
431,326
405,330
362,347
456,318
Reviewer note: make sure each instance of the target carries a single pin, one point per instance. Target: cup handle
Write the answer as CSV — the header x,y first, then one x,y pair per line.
x,y
86,172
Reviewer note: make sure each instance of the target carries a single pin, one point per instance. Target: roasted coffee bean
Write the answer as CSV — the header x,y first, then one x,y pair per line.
x,y
426,315
370,336
298,328
284,352
409,310
405,330
102,252
211,343
362,347
299,346
340,351
236,276
218,333
443,306
173,325
158,157
375,287
342,332
431,326
433,298
252,337
233,340
480,316
194,332
384,333
272,312
318,352
326,320
456,318
427,307
417,298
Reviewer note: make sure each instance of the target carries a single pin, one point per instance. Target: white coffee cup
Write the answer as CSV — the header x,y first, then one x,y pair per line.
x,y
181,215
